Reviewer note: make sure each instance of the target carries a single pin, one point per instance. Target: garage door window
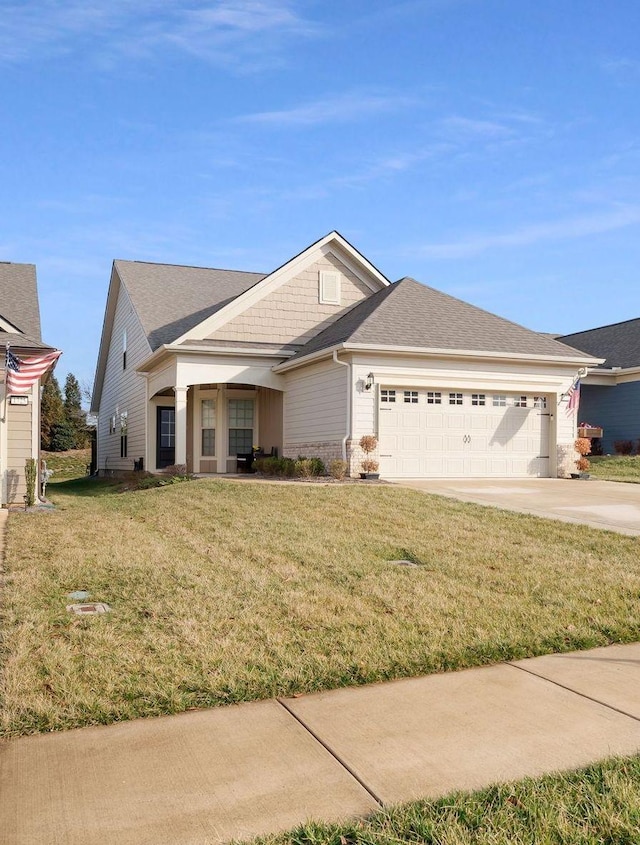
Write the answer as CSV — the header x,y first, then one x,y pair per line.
x,y
411,397
540,402
520,402
478,399
455,398
387,396
434,398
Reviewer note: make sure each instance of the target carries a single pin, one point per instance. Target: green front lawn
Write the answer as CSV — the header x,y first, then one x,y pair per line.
x,y
615,467
224,591
598,805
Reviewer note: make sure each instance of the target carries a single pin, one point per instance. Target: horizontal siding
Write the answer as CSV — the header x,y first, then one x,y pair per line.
x,y
616,409
315,404
19,448
292,313
123,390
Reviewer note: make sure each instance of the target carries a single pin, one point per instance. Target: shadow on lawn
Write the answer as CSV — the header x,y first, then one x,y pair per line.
x,y
85,486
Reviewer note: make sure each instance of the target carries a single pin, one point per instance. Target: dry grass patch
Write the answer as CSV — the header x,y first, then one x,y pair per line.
x,y
592,806
228,591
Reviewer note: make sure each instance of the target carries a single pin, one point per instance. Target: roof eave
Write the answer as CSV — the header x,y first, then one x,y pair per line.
x,y
169,348
438,353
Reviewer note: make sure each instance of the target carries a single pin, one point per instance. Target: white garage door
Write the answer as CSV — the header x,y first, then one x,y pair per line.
x,y
459,434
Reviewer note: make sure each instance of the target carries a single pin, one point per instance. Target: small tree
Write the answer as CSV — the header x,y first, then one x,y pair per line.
x,y
583,448
74,414
51,411
368,444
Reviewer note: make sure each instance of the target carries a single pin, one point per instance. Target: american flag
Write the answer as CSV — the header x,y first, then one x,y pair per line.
x,y
574,398
21,374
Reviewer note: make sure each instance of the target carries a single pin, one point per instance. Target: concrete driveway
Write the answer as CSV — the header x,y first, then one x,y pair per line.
x,y
600,504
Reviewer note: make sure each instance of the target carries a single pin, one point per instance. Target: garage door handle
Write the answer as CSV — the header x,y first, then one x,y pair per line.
x,y
386,456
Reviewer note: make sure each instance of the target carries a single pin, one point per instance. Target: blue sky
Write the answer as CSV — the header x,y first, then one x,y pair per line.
x,y
489,148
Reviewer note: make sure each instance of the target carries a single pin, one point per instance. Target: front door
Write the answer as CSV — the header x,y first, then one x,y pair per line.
x,y
165,437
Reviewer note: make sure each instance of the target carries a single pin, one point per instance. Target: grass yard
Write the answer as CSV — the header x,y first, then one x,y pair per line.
x,y
66,465
599,805
224,591
616,468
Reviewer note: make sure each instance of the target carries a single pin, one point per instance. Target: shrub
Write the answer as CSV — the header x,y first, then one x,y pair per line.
x,y
31,476
623,447
177,470
281,467
304,467
583,464
369,465
338,469
596,446
318,467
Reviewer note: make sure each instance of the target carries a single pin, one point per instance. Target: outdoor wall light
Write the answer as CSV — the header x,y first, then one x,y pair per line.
x,y
369,382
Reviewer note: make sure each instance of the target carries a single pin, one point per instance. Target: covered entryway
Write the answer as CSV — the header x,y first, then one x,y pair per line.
x,y
453,433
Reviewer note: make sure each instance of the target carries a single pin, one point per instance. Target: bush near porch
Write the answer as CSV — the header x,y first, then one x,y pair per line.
x,y
223,591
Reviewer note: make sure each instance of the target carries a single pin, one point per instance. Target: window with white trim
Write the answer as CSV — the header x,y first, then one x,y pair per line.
x,y
434,398
520,402
478,399
240,426
112,424
455,398
387,396
540,402
208,427
411,397
499,400
330,287
123,434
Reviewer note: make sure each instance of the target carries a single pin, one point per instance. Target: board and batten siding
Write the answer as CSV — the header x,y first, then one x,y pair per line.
x,y
315,411
293,312
123,390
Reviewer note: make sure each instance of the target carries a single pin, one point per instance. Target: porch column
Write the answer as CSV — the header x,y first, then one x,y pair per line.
x,y
181,424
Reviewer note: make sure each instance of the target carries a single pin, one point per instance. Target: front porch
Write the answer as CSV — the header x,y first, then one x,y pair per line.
x,y
206,426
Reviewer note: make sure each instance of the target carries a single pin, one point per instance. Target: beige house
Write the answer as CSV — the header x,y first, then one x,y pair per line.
x,y
197,366
20,417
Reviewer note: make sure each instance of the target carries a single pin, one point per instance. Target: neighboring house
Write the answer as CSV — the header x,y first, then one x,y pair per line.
x,y
20,416
199,365
610,394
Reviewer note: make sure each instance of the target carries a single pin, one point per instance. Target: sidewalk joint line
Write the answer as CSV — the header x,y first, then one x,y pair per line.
x,y
335,756
575,692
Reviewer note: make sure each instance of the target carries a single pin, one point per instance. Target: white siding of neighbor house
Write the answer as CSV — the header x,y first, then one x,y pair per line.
x,y
123,390
20,421
315,410
293,313
548,380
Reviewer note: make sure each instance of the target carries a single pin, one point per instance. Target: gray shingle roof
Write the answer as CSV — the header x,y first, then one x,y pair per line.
x,y
618,343
411,314
171,299
19,303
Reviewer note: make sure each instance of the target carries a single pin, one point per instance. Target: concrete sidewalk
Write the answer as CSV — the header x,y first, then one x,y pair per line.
x,y
235,772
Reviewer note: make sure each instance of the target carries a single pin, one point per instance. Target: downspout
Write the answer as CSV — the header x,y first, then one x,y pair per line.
x,y
349,403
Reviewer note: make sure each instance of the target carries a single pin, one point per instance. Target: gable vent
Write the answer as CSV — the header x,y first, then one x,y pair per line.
x,y
329,287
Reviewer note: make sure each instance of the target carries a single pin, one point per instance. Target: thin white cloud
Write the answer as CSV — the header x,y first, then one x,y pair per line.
x,y
341,108
239,33
571,228
467,127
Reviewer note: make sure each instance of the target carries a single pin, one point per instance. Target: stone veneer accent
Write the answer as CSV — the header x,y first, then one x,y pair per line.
x,y
355,455
567,457
327,451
